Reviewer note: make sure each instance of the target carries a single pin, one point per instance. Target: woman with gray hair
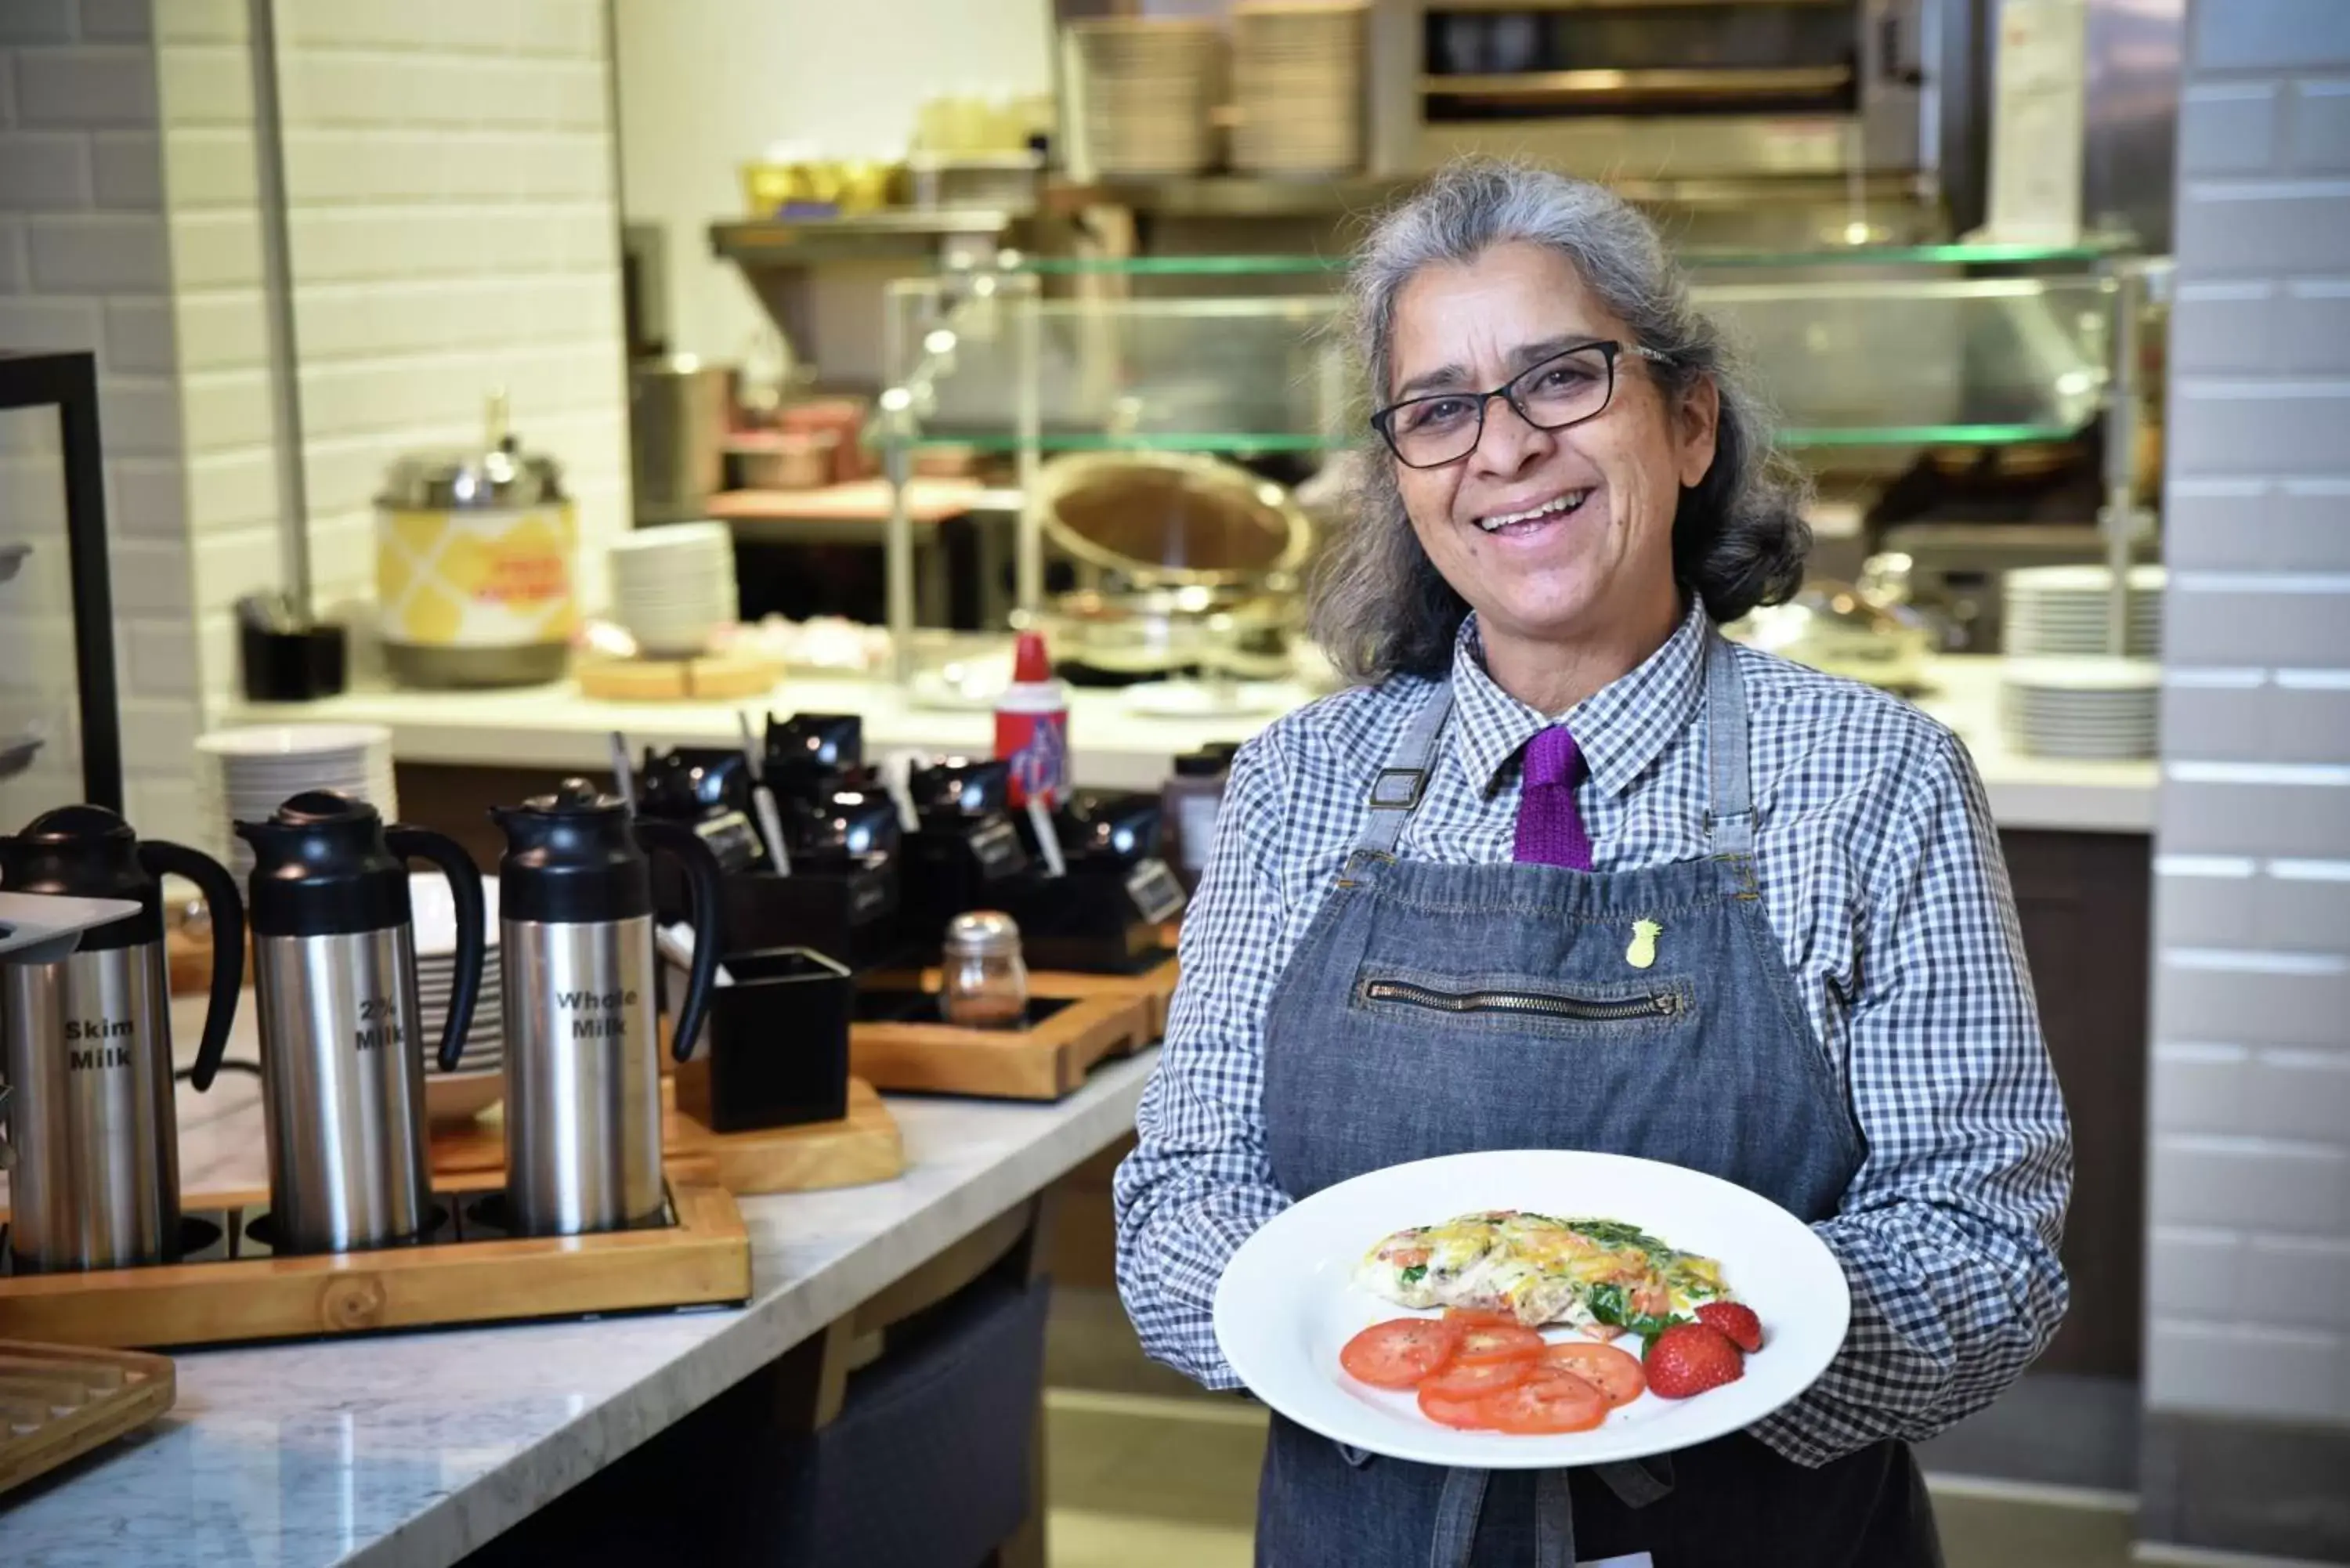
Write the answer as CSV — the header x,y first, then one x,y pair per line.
x,y
1569,870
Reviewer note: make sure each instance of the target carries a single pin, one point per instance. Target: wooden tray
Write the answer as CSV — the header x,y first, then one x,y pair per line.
x,y
712,676
1042,1061
58,1402
1155,985
703,1259
863,1146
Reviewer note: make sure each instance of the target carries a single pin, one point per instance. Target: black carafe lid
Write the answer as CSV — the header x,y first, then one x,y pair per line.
x,y
87,852
961,790
1110,826
848,824
321,867
571,858
807,752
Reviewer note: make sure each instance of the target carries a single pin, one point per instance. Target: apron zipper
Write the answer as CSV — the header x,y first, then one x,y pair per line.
x,y
1656,1005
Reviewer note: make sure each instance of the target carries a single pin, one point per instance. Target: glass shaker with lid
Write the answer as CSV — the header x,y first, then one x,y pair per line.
x,y
983,981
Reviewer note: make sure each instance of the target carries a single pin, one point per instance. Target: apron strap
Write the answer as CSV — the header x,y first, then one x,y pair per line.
x,y
1457,1509
1554,1521
1396,789
1730,805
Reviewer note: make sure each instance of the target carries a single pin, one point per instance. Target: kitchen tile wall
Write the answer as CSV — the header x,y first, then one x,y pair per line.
x,y
454,229
2249,1202
85,263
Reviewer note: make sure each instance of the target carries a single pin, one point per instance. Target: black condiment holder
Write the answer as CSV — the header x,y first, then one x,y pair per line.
x,y
846,910
1103,916
966,849
778,1041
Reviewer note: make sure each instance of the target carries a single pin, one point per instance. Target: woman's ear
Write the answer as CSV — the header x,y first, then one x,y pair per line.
x,y
1696,419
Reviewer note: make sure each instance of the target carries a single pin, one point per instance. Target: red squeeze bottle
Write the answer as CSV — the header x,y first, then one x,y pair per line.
x,y
1031,725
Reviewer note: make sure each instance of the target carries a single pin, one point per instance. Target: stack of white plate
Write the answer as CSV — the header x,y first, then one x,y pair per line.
x,y
672,586
1149,87
435,925
2054,611
246,774
1297,86
2088,709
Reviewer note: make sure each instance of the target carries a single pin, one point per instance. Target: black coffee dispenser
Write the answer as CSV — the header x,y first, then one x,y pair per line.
x,y
1103,915
966,853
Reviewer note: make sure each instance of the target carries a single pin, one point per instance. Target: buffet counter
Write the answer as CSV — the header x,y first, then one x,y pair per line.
x,y
1112,746
415,1449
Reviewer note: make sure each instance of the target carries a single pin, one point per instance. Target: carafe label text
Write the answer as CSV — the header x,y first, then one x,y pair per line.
x,y
606,1015
98,1029
102,1056
378,1024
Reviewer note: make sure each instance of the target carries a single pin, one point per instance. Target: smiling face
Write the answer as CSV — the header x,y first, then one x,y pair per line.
x,y
1556,538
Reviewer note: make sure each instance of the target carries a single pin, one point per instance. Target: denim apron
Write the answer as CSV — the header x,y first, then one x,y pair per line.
x,y
1702,1057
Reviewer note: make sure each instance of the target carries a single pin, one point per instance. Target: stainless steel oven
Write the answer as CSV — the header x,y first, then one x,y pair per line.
x,y
1637,90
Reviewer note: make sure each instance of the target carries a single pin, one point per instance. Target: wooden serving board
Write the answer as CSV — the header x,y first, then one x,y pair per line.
x,y
713,675
703,1259
1042,1061
861,1147
58,1402
1155,986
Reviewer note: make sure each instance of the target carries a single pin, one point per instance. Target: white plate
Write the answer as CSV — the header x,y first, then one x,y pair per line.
x,y
1287,1302
292,740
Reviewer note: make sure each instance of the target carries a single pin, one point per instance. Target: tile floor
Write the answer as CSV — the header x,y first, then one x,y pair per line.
x,y
1150,1481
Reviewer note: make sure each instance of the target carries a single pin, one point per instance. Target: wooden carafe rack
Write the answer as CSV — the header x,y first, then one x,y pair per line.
x,y
230,1289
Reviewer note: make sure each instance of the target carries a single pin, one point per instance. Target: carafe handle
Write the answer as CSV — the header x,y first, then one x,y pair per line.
x,y
226,907
685,846
466,893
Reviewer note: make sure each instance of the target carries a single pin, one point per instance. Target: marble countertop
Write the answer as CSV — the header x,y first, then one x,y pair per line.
x,y
412,1450
1112,746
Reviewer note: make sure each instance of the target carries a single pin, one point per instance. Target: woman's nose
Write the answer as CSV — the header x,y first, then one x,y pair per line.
x,y
1508,445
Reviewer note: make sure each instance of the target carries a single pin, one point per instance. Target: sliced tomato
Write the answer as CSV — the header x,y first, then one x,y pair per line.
x,y
1604,1367
1549,1401
1479,1317
1498,1342
1467,1415
1467,1379
1400,1352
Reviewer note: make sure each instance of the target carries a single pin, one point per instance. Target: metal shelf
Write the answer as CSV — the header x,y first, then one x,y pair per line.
x,y
1540,87
902,233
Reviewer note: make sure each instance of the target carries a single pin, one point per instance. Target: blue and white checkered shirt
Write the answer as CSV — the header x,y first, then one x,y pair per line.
x,y
1881,874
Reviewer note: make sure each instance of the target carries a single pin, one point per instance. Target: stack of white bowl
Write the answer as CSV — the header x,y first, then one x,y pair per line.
x,y
2053,611
2083,708
246,774
1297,86
479,1081
1149,87
673,585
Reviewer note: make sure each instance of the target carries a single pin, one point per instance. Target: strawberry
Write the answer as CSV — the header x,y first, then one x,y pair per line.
x,y
1737,1320
1689,1358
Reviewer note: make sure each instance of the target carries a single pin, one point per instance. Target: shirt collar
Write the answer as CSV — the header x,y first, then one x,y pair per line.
x,y
1620,729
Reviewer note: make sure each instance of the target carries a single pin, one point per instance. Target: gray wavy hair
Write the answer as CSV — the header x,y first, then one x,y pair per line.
x,y
1376,604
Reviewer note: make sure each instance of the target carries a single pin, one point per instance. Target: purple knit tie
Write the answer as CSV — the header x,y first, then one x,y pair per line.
x,y
1550,830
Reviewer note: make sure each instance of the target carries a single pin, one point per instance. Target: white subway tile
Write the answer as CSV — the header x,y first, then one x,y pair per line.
x,y
2225,1368
169,807
230,489
2320,118
146,499
582,96
2301,1279
140,414
2228,128
129,169
2199,1088
2195,1274
161,657
201,21
233,563
38,22
2248,1183
2280,34
121,21
2316,323
162,729
138,337
7,96
2260,227
217,651
98,85
216,249
2302,1094
211,166
222,329
98,255
56,324
32,483
15,271
469,24
206,84
227,409
150,576
43,171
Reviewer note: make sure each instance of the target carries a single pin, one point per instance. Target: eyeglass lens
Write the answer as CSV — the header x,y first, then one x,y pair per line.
x,y
1565,389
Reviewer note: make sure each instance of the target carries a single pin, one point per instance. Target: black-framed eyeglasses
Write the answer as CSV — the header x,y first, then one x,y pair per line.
x,y
1570,386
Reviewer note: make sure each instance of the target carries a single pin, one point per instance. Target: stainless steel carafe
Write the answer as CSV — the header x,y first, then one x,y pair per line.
x,y
86,1043
583,1107
342,1063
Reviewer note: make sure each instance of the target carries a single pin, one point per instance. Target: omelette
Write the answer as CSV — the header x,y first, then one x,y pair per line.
x,y
1600,1276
